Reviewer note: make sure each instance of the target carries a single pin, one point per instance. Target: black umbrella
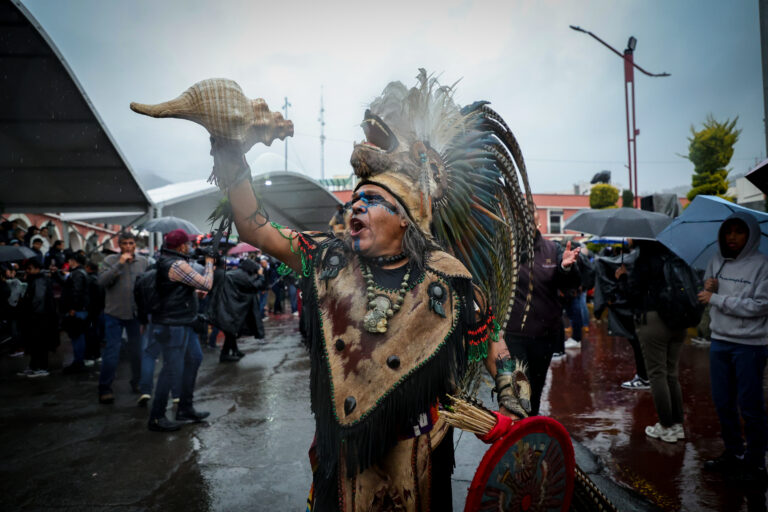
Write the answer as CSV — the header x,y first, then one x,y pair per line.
x,y
167,224
15,253
619,222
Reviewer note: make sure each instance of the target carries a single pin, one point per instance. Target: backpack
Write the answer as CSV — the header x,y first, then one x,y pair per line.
x,y
678,303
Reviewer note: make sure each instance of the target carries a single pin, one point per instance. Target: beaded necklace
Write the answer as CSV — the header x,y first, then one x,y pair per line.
x,y
385,260
380,306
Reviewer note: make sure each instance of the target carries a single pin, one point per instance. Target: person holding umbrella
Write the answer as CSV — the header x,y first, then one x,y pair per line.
x,y
736,287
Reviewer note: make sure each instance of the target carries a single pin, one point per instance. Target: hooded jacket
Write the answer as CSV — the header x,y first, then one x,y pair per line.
x,y
739,312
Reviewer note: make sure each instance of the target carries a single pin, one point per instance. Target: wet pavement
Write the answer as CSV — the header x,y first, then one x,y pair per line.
x,y
61,450
583,393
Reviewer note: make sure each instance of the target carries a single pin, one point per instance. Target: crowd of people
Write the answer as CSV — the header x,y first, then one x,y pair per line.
x,y
180,301
641,290
170,306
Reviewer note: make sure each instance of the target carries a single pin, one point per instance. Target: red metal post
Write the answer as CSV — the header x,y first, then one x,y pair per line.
x,y
629,78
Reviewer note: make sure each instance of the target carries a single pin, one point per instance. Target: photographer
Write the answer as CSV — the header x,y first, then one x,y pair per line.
x,y
172,318
117,276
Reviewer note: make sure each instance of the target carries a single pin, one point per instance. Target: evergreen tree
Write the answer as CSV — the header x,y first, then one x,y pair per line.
x,y
602,196
710,150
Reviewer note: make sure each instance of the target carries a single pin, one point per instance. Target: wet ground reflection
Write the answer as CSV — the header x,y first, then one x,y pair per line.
x,y
583,392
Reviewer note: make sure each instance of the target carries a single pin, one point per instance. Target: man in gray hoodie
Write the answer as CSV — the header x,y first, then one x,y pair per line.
x,y
737,289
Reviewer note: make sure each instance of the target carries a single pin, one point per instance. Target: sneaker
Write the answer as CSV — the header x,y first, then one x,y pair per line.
x,y
25,373
18,353
726,462
572,343
191,415
677,428
657,431
89,363
175,400
295,313
636,383
142,401
163,424
558,356
698,340
38,373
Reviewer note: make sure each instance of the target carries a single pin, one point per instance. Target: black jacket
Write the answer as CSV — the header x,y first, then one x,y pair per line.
x,y
176,302
644,283
75,294
38,299
95,296
545,318
233,299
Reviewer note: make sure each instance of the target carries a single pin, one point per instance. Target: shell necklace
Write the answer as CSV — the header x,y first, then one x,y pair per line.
x,y
380,307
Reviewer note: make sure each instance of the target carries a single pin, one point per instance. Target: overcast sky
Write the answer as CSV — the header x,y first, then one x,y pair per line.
x,y
559,90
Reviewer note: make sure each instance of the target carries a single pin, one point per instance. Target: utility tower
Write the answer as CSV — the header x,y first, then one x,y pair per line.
x,y
285,115
321,119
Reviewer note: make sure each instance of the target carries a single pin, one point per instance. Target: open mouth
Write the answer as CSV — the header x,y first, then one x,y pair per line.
x,y
377,134
356,226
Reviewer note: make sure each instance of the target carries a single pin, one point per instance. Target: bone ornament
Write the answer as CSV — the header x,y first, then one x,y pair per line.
x,y
219,105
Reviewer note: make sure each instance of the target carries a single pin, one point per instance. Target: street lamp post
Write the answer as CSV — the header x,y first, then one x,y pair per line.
x,y
629,79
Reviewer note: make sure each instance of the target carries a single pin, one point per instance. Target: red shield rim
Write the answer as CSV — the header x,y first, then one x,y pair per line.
x,y
517,431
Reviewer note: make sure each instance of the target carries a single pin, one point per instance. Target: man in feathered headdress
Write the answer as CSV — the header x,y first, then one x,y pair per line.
x,y
402,303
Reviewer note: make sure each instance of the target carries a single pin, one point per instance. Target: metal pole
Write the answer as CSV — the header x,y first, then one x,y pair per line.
x,y
763,10
627,81
285,110
322,136
629,77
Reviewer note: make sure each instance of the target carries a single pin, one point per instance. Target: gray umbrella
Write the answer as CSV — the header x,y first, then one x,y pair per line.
x,y
619,222
167,224
15,253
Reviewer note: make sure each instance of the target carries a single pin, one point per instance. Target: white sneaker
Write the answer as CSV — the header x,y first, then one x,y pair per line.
x,y
572,343
175,400
38,373
25,373
677,428
657,431
636,383
89,363
558,356
18,353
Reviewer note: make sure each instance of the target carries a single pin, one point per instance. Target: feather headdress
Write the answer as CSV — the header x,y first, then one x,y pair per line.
x,y
461,176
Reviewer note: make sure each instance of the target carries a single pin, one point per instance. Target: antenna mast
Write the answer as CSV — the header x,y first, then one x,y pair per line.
x,y
285,109
322,135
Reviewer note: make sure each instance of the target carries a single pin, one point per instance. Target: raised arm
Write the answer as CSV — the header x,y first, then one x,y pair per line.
x,y
254,229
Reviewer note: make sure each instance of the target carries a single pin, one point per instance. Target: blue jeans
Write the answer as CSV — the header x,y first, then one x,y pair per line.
x,y
110,357
584,309
574,314
736,374
214,334
262,302
78,342
293,297
151,350
181,360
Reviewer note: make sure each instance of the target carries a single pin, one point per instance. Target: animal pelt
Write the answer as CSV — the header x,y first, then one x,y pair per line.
x,y
387,400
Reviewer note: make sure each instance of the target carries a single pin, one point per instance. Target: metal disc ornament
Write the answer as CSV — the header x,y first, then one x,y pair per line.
x,y
529,468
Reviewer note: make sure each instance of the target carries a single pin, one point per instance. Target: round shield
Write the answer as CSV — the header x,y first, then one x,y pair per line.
x,y
531,467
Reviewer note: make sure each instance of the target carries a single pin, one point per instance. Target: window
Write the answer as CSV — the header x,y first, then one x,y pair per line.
x,y
555,222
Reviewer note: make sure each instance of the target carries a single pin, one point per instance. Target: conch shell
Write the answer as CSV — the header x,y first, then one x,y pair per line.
x,y
220,106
